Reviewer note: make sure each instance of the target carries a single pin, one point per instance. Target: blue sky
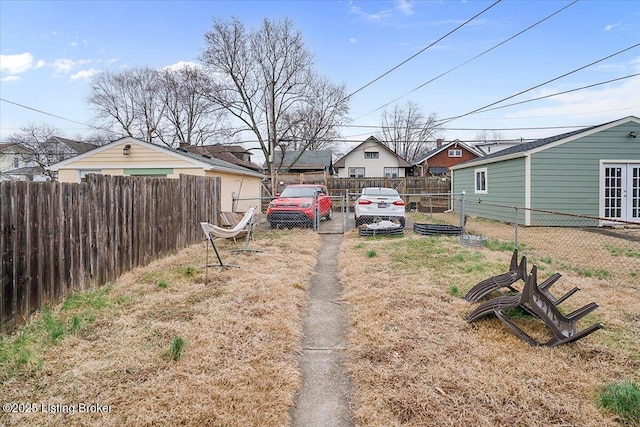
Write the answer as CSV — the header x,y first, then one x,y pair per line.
x,y
50,49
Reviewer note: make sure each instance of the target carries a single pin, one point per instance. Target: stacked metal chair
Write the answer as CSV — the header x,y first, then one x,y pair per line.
x,y
535,299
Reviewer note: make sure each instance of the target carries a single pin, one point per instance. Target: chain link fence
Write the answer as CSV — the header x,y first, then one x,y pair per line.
x,y
321,213
560,241
556,240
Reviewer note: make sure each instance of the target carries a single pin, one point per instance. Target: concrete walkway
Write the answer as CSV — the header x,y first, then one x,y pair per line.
x,y
324,398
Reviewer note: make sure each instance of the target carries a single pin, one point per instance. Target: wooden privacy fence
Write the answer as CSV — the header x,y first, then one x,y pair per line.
x,y
404,185
57,238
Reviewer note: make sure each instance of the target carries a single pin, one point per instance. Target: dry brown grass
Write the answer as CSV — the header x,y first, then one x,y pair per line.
x,y
415,361
241,332
412,358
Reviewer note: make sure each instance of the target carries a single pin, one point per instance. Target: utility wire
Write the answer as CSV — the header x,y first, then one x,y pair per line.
x,y
561,93
53,115
475,57
481,109
421,51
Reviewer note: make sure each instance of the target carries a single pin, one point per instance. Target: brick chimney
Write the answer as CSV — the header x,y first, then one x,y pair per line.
x,y
439,143
184,144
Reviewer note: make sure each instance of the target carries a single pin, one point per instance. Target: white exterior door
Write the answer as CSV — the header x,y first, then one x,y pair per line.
x,y
620,199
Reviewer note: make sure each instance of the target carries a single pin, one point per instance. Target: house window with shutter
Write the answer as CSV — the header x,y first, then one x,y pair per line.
x,y
356,172
481,181
455,153
371,155
390,172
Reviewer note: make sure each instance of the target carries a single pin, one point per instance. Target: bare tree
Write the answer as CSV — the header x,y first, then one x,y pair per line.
x,y
40,146
407,131
265,80
312,125
488,136
193,117
133,100
170,106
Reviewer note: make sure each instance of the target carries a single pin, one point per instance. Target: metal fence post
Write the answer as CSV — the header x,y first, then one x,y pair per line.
x,y
462,209
345,210
316,213
516,228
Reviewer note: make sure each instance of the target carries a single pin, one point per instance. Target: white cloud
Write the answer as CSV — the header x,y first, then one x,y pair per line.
x,y
182,64
617,98
16,64
612,26
77,43
62,66
10,79
405,7
353,40
84,74
370,16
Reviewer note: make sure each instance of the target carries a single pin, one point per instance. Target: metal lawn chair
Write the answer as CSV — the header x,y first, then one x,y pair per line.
x,y
213,232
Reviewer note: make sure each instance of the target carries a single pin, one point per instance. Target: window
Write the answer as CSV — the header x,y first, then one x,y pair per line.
x,y
16,162
455,153
82,174
371,155
481,181
390,172
356,172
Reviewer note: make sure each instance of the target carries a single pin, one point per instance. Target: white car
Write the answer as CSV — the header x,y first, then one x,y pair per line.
x,y
375,204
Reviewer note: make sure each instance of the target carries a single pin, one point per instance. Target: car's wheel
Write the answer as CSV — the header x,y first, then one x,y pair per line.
x,y
402,221
273,225
359,221
329,216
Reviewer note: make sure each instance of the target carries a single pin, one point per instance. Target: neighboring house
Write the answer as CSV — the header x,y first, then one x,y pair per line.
x,y
593,172
29,161
12,163
444,156
297,161
491,147
372,159
235,154
134,157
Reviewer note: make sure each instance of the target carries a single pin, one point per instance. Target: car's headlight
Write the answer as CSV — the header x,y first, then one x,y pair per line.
x,y
305,204
272,204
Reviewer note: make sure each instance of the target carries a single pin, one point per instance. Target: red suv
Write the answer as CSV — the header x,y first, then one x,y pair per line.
x,y
296,205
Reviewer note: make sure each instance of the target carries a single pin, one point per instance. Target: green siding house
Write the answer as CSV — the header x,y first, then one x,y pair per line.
x,y
593,172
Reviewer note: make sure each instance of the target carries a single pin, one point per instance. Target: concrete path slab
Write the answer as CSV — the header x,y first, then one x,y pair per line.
x,y
324,398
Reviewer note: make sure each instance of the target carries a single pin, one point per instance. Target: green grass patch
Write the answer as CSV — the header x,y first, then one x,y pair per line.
x,y
162,284
188,271
500,245
53,327
21,353
516,313
618,251
622,399
454,291
177,346
371,253
598,274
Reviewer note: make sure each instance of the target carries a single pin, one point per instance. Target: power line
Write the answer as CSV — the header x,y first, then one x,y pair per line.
x,y
421,51
56,116
477,110
562,93
476,57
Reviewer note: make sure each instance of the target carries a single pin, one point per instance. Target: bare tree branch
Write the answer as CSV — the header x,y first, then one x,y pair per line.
x,y
406,131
